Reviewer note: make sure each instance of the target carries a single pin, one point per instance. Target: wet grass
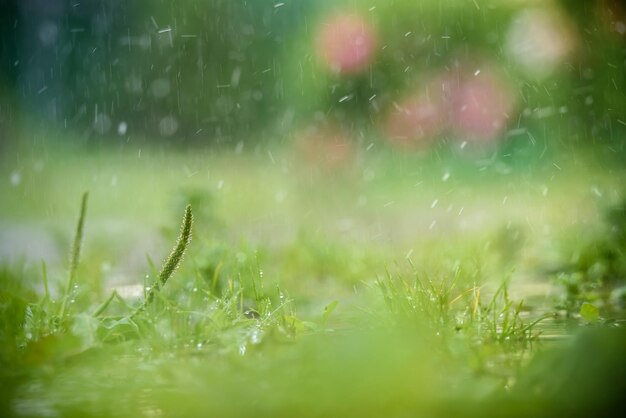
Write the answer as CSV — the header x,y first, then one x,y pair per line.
x,y
395,287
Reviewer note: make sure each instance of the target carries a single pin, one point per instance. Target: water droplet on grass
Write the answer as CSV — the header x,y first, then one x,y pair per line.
x,y
256,336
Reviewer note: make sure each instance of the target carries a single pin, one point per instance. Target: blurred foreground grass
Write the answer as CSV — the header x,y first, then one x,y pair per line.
x,y
392,286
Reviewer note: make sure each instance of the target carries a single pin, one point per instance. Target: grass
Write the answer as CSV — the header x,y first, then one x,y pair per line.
x,y
172,262
74,256
365,293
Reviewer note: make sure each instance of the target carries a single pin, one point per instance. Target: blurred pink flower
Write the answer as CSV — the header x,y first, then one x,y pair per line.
x,y
418,119
482,106
346,43
474,102
415,122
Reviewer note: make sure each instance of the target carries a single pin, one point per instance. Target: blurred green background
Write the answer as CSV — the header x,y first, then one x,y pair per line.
x,y
196,72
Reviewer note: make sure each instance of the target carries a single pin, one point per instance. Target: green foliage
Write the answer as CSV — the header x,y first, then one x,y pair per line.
x,y
599,268
589,312
31,327
318,258
447,338
577,290
445,308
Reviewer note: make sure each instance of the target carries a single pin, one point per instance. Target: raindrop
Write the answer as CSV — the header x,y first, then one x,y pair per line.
x,y
255,336
168,126
48,33
235,77
15,179
122,128
596,191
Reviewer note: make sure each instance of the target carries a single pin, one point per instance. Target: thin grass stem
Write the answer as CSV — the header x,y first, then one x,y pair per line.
x,y
172,262
75,254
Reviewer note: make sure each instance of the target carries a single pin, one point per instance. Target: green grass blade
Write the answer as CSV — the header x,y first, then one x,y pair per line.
x,y
46,288
75,253
103,307
173,260
78,238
